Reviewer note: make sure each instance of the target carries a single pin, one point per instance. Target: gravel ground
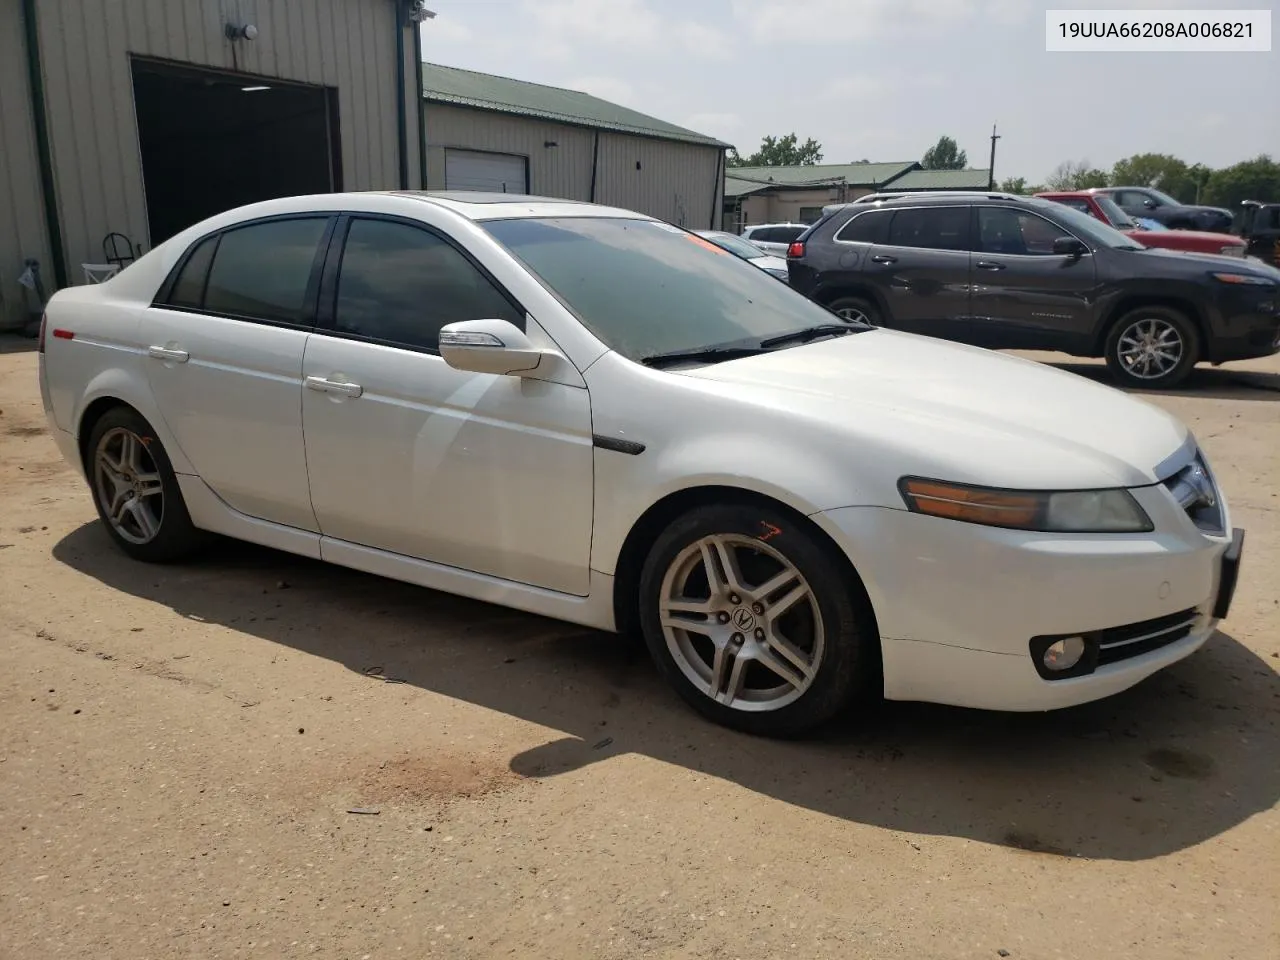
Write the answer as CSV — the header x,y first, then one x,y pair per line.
x,y
183,752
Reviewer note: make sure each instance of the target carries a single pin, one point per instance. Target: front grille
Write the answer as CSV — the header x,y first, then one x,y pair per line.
x,y
1197,493
1124,643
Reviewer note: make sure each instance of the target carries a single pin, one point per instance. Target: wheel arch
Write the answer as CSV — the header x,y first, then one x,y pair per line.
x,y
1130,301
828,295
650,524
115,388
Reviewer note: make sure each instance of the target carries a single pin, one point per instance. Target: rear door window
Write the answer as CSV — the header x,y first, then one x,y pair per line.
x,y
869,227
265,271
931,228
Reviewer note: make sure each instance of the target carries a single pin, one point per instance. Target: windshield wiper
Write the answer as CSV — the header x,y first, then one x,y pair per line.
x,y
808,334
700,355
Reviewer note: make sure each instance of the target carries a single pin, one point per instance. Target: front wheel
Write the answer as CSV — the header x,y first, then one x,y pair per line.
x,y
1152,348
754,621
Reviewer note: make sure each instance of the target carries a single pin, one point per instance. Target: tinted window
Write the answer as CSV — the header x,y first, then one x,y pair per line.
x,y
1075,203
768,235
786,234
401,284
263,271
1004,230
644,287
188,290
869,227
931,228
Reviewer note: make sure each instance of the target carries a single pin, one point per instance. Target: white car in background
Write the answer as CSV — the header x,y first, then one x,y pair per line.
x,y
595,416
774,266
774,238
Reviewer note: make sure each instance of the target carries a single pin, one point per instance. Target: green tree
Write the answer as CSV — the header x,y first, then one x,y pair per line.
x,y
780,152
1013,185
945,155
1076,175
1159,170
1256,179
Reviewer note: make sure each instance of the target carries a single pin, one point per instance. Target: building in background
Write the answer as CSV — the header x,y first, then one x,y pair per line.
x,y
494,133
798,194
124,121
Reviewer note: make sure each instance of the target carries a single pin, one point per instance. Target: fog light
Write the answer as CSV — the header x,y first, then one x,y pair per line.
x,y
1064,654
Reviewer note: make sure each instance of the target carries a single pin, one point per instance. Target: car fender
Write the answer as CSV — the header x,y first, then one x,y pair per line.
x,y
132,387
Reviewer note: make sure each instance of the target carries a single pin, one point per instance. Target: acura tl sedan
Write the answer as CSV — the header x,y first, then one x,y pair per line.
x,y
592,415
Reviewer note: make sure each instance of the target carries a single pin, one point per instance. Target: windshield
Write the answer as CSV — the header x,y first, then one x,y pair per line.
x,y
1087,227
647,288
743,248
1163,199
1118,218
1155,226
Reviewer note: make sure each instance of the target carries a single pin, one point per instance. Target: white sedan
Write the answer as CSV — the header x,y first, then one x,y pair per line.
x,y
595,416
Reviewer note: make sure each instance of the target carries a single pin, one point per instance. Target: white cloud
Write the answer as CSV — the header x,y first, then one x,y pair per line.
x,y
714,124
444,33
700,40
564,26
857,21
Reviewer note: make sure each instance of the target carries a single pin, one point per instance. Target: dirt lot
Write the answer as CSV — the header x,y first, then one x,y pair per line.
x,y
180,750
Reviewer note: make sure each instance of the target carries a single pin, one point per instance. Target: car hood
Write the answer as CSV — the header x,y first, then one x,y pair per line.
x,y
1197,261
1187,236
769,262
960,413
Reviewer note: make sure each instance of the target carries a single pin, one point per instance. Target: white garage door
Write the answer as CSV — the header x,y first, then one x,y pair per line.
x,y
490,172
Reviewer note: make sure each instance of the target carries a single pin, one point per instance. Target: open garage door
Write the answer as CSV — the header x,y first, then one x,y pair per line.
x,y
487,172
211,141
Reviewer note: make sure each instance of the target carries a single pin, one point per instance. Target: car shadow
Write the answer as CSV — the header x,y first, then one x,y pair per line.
x,y
1182,758
1217,383
16,342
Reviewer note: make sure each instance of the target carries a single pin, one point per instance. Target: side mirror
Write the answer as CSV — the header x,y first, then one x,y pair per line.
x,y
488,346
1069,247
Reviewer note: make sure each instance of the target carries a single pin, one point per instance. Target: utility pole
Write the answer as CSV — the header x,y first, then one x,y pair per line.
x,y
991,173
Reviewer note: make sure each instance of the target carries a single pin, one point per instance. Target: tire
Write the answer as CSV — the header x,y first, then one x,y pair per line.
x,y
857,308
838,662
1160,325
126,464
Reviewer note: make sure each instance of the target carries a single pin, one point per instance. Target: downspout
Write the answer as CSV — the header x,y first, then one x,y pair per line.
x,y
47,187
717,201
595,162
402,82
422,106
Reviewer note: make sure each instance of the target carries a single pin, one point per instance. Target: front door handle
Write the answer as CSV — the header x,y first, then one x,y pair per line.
x,y
988,265
881,258
164,353
334,386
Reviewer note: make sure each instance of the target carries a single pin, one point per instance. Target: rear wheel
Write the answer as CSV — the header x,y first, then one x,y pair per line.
x,y
857,310
1152,348
750,617
135,490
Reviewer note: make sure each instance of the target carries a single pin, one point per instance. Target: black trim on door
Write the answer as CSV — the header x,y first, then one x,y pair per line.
x,y
326,310
307,320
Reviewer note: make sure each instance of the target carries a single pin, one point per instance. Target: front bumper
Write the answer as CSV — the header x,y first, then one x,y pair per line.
x,y
958,605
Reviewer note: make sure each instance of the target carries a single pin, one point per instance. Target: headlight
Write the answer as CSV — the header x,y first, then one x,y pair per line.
x,y
1250,279
1232,250
1068,511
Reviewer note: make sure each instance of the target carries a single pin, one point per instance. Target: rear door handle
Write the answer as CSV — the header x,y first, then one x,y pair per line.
x,y
334,386
164,353
881,258
988,265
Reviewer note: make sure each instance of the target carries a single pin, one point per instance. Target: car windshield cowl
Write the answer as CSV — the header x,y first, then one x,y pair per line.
x,y
717,353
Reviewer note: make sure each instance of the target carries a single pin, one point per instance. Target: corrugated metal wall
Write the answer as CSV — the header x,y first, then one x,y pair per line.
x,y
22,232
86,47
560,171
679,182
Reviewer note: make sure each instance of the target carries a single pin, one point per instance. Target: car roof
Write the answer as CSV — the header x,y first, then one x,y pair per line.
x,y
780,223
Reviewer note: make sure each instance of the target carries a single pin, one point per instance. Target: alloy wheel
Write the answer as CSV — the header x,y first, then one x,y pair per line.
x,y
854,315
128,486
741,623
1150,348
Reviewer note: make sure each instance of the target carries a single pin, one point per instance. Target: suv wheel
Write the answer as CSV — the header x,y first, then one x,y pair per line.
x,y
856,310
1152,348
752,620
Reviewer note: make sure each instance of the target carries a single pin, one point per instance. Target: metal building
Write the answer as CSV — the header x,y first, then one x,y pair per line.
x,y
493,133
123,121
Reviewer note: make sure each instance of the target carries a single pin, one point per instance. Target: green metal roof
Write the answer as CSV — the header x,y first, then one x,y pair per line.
x,y
740,181
943,180
483,91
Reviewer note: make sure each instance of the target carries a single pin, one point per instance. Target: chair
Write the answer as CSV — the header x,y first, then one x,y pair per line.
x,y
99,272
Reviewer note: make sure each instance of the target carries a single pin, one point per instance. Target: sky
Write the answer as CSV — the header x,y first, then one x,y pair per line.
x,y
882,79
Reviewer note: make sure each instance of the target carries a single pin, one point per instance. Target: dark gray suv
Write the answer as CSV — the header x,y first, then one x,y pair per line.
x,y
1020,273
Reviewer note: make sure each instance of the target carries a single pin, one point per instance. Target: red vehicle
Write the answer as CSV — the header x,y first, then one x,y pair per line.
x,y
1151,234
